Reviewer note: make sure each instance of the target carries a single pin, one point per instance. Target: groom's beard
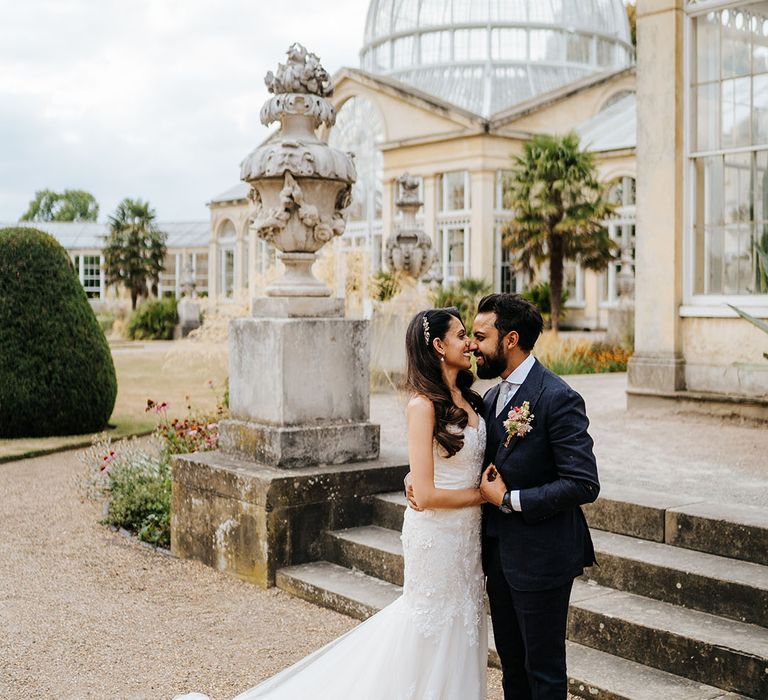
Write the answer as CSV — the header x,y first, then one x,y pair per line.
x,y
493,365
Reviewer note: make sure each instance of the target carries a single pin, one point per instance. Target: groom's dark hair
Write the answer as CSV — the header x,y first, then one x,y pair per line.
x,y
513,313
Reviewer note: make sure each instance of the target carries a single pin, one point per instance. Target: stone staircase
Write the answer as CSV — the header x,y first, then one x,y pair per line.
x,y
677,609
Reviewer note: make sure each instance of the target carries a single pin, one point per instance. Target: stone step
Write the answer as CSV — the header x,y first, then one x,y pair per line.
x,y
696,645
374,550
726,587
592,673
727,530
736,531
734,589
388,510
338,588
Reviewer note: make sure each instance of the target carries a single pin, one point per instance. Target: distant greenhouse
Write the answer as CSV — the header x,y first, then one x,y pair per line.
x,y
187,245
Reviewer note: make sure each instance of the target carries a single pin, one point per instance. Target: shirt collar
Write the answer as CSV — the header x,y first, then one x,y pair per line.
x,y
518,376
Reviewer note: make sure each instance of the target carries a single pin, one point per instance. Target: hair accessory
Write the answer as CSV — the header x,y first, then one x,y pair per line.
x,y
425,324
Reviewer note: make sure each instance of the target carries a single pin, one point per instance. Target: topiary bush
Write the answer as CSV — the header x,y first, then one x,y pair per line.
x,y
56,370
154,320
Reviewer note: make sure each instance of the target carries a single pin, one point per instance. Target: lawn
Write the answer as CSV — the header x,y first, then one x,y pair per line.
x,y
159,370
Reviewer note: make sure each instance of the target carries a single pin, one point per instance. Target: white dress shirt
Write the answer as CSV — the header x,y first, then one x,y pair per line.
x,y
515,379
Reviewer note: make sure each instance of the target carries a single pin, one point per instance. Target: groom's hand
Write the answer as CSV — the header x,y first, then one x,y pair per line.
x,y
492,486
408,487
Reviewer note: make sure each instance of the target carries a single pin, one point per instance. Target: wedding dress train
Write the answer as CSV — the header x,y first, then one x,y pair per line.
x,y
429,644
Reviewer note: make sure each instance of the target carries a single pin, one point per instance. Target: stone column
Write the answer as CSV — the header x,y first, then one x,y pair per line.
x,y
658,365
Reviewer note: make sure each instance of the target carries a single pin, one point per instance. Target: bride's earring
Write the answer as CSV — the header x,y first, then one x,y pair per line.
x,y
442,358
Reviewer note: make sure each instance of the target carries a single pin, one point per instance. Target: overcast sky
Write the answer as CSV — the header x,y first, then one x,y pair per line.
x,y
157,99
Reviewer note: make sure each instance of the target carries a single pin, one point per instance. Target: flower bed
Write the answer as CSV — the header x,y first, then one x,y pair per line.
x,y
133,478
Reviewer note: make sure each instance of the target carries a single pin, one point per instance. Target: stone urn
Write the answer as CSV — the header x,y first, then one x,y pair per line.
x,y
409,251
300,185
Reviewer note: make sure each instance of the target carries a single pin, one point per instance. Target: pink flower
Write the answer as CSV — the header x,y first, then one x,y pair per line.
x,y
518,423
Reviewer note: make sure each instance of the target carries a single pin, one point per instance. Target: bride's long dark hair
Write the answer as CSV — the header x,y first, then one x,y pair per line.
x,y
424,376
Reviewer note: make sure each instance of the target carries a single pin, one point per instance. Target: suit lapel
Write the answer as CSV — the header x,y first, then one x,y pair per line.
x,y
529,391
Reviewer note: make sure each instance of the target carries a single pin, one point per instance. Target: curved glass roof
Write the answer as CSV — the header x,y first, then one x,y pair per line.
x,y
487,55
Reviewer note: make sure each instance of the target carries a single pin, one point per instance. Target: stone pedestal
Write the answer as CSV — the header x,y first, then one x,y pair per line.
x,y
250,519
621,324
299,405
189,317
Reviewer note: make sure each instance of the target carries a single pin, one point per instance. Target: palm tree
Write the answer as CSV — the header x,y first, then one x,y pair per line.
x,y
135,249
559,207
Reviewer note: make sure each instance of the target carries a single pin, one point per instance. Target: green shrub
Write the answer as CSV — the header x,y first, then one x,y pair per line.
x,y
56,370
538,294
140,499
154,320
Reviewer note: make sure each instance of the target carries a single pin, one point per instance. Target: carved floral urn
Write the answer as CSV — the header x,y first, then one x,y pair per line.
x,y
409,251
301,186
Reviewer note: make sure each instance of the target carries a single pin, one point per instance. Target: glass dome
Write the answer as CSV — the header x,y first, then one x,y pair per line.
x,y
487,55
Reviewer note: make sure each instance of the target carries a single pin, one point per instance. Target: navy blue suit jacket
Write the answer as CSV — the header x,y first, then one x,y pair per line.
x,y
554,468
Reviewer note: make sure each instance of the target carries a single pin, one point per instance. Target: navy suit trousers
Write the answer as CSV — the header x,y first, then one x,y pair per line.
x,y
529,629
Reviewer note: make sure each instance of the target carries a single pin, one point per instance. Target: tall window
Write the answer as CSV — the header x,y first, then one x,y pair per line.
x,y
621,228
453,251
227,237
90,274
729,149
454,191
508,278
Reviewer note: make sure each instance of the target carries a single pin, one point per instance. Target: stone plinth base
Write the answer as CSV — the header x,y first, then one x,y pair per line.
x,y
288,446
250,519
663,372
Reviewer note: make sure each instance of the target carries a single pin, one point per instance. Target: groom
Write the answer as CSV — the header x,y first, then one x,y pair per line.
x,y
537,474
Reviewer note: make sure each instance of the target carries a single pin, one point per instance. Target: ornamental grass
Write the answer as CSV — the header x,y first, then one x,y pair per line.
x,y
572,356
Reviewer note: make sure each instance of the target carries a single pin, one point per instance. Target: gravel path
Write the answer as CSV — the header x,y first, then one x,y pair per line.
x,y
88,613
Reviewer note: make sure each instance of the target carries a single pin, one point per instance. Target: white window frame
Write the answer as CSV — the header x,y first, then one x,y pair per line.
x,y
78,261
442,195
444,227
704,305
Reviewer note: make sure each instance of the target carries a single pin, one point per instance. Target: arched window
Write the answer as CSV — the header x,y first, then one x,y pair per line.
x,y
360,129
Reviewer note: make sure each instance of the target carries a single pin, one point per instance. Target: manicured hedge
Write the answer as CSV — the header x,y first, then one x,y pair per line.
x,y
56,370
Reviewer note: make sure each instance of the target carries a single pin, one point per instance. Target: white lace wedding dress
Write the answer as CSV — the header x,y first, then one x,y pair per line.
x,y
432,642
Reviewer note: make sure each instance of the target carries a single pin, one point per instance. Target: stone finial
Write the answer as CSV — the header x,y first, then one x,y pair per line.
x,y
301,74
408,191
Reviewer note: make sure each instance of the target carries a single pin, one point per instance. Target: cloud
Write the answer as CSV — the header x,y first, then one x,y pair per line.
x,y
153,98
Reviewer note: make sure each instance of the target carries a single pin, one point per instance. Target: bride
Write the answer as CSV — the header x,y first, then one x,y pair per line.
x,y
431,643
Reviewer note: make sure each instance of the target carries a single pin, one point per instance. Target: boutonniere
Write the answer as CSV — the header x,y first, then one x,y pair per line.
x,y
518,423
